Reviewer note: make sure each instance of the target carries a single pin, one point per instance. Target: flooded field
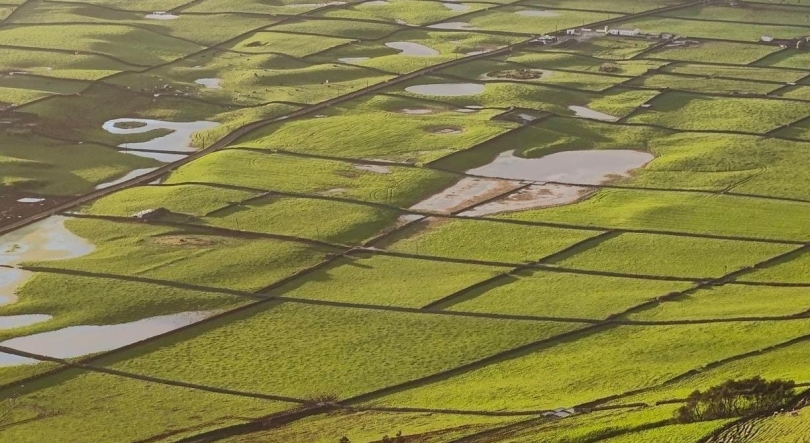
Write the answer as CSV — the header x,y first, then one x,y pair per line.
x,y
576,167
460,26
179,140
77,341
447,89
533,197
413,49
468,191
45,240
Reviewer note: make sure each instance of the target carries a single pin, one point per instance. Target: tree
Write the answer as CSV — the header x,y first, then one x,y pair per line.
x,y
736,398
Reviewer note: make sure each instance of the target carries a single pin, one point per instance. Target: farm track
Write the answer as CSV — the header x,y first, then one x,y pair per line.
x,y
287,417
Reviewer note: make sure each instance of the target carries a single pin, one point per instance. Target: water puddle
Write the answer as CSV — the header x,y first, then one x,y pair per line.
x,y
445,130
353,60
179,140
48,239
416,111
375,3
533,197
210,83
536,13
128,176
77,341
159,156
458,26
18,321
413,49
161,15
447,89
455,6
30,200
466,192
574,167
582,111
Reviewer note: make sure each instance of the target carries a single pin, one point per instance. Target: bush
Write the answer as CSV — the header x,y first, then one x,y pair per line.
x,y
736,398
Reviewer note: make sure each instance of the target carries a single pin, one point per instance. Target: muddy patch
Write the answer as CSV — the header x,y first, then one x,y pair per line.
x,y
377,169
573,167
447,89
533,197
446,130
77,341
584,112
179,140
466,192
374,3
182,240
413,49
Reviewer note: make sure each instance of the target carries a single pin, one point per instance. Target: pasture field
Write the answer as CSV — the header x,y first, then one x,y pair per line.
x,y
731,301
715,52
691,213
719,86
180,255
323,219
101,301
412,12
692,112
738,72
455,239
389,281
346,335
400,221
562,294
672,256
566,373
774,363
371,425
193,200
716,30
87,401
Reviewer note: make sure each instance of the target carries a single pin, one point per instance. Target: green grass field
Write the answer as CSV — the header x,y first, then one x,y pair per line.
x,y
186,256
391,281
87,401
693,112
357,350
457,239
577,371
552,294
328,218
